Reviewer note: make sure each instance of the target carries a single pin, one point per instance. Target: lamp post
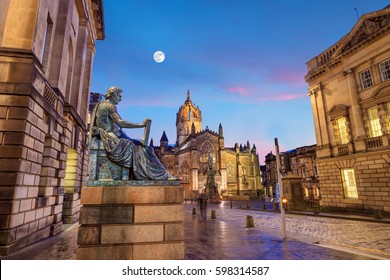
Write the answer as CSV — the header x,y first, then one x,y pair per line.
x,y
280,185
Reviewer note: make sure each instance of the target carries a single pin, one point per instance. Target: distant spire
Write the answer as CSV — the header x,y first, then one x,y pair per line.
x,y
220,130
188,96
151,142
164,137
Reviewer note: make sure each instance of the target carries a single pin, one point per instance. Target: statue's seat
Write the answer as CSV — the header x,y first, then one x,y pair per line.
x,y
100,167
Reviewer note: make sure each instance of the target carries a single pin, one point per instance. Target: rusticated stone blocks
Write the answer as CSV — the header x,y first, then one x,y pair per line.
x,y
131,222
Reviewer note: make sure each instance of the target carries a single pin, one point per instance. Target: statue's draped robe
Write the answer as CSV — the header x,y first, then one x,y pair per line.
x,y
124,151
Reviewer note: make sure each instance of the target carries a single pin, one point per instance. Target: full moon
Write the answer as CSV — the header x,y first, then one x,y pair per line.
x,y
159,56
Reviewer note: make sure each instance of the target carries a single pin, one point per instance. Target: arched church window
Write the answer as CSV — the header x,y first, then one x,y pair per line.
x,y
206,151
185,172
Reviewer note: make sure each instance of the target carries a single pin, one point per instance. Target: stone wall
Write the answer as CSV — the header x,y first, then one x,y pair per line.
x,y
41,114
372,171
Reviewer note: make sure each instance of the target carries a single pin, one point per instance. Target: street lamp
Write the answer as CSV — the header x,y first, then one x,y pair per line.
x,y
284,202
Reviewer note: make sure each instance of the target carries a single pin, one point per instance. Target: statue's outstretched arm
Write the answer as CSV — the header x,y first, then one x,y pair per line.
x,y
122,123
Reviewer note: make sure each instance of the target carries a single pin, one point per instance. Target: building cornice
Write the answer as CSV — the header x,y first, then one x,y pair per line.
x,y
371,27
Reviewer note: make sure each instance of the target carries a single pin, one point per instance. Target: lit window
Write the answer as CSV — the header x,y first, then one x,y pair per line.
x,y
349,183
385,70
317,191
366,79
388,117
374,123
341,124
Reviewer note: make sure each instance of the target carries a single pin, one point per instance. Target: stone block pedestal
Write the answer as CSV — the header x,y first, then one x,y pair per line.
x,y
136,220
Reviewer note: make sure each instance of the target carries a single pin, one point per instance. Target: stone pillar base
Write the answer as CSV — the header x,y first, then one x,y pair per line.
x,y
136,221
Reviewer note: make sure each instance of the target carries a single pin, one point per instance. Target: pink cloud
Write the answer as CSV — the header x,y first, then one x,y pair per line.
x,y
283,97
288,77
241,90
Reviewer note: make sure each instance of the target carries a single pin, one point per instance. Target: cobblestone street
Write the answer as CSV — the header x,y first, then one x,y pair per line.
x,y
367,237
309,237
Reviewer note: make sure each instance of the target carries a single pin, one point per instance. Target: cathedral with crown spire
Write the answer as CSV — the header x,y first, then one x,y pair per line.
x,y
236,169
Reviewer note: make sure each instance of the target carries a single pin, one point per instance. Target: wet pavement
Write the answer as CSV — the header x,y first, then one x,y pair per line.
x,y
308,237
227,238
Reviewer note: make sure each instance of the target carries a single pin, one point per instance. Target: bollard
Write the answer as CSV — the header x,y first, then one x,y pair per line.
x,y
264,207
276,206
247,205
231,204
213,215
378,214
316,209
249,222
193,211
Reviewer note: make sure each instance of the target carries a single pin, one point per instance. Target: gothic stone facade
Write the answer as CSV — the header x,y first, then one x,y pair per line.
x,y
237,170
349,89
46,53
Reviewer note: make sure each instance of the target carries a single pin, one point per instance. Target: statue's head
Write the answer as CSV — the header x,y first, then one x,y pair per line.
x,y
114,94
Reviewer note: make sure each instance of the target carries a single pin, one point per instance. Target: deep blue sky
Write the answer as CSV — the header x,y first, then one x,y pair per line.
x,y
243,61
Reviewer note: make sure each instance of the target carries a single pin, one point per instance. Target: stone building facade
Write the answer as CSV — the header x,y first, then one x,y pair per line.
x,y
349,89
302,163
94,98
46,53
237,170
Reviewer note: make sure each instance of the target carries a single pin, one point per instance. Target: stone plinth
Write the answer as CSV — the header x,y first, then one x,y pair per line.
x,y
132,221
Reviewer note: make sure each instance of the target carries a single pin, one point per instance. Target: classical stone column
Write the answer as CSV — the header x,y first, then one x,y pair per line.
x,y
320,121
312,94
90,52
356,113
383,122
76,92
376,76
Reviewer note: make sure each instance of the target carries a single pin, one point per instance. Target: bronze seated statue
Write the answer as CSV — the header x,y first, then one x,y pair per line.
x,y
114,155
